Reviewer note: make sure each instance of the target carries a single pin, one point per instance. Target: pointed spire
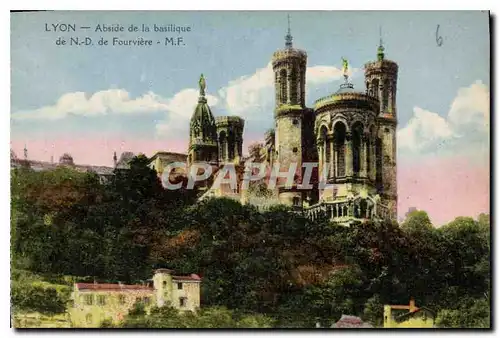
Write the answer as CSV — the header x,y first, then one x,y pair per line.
x,y
115,159
380,50
25,152
288,37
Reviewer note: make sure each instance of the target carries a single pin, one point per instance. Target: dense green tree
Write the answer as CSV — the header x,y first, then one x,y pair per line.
x,y
374,311
471,313
32,298
259,269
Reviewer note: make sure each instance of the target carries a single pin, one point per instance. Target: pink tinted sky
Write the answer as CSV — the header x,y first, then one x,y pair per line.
x,y
444,187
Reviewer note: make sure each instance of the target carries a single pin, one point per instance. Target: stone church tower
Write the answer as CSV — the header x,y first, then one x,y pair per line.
x,y
203,145
293,120
381,82
350,134
230,137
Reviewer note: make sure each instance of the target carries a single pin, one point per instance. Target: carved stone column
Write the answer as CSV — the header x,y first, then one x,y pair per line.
x,y
236,149
332,158
320,157
348,155
335,159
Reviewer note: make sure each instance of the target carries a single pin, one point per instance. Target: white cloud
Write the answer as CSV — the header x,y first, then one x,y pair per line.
x,y
183,103
425,128
466,125
246,96
179,110
319,75
251,96
249,93
111,101
471,107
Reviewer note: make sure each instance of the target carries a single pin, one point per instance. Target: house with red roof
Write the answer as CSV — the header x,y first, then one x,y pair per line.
x,y
94,303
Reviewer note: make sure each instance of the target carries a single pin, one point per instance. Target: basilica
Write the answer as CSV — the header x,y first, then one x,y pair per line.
x,y
351,134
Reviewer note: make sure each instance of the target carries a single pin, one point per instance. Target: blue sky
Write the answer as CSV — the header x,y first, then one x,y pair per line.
x,y
228,45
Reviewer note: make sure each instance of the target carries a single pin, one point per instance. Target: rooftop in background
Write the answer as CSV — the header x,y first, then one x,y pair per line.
x,y
112,287
166,155
351,322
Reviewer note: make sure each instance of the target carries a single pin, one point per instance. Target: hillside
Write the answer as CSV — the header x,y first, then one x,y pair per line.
x,y
275,263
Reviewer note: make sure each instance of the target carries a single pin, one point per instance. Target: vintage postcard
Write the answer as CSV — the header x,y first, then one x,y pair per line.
x,y
265,169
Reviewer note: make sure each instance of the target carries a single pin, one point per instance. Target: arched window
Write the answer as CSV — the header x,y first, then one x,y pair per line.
x,y
375,88
339,132
328,159
277,88
293,86
369,151
283,94
363,208
323,144
357,134
378,158
230,145
222,145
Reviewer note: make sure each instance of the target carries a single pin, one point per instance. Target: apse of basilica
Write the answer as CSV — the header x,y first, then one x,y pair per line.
x,y
351,134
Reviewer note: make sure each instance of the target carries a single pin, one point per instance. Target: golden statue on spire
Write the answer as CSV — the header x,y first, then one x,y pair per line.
x,y
203,85
345,68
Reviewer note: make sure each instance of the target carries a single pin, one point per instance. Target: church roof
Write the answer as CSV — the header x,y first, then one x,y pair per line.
x,y
346,89
347,95
112,287
202,126
124,161
289,52
169,156
203,113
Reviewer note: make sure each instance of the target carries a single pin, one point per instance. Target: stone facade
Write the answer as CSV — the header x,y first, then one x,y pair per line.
x,y
162,159
230,138
350,134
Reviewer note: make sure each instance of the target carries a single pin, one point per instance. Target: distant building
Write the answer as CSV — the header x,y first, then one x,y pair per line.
x,y
124,161
162,159
408,316
66,160
410,210
94,302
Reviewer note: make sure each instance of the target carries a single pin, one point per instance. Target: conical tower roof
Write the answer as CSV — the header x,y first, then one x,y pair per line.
x,y
202,126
